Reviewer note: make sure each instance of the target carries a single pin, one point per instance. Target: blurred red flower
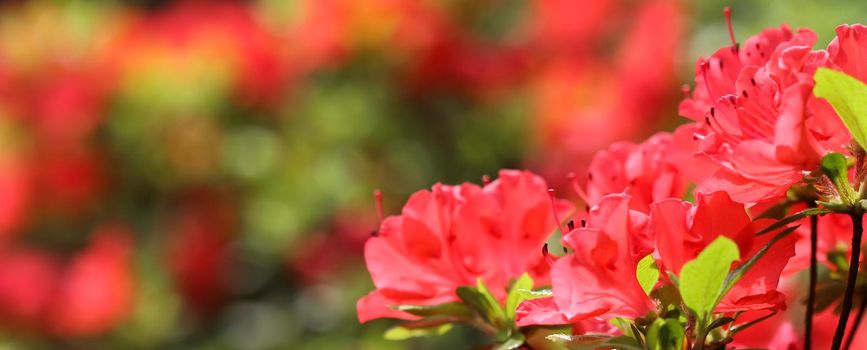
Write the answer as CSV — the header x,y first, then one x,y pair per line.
x,y
229,38
584,98
95,292
198,251
88,296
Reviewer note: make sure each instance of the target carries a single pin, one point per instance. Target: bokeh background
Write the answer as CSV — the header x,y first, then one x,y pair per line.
x,y
199,174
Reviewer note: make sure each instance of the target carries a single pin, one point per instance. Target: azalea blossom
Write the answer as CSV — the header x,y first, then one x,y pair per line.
x,y
683,230
664,166
761,124
598,280
451,236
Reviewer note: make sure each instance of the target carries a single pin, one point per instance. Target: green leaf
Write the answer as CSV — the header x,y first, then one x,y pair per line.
x,y
722,321
665,334
483,302
794,217
674,279
517,294
402,333
623,324
701,280
458,310
734,330
647,273
595,341
515,341
848,96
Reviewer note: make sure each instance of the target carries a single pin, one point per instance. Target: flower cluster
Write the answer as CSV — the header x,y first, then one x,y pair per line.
x,y
691,239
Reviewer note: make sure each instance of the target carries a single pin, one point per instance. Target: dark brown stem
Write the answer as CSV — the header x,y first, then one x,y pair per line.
x,y
857,323
857,232
811,295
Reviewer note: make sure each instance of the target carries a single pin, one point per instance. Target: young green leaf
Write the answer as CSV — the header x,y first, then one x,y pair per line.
x,y
647,273
623,324
665,334
481,300
701,280
848,96
447,309
517,294
402,333
513,342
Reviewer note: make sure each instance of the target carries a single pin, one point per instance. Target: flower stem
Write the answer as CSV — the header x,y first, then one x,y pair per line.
x,y
857,323
857,232
811,296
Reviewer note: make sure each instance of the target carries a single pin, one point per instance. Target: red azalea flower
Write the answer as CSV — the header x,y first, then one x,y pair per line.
x,y
777,332
198,249
16,196
27,280
95,293
584,99
762,125
715,77
659,168
72,180
68,103
557,25
453,235
598,280
683,230
197,258
847,50
324,254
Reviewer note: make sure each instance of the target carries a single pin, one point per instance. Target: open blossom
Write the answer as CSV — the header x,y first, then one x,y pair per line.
x,y
599,278
451,236
598,281
762,125
683,230
661,167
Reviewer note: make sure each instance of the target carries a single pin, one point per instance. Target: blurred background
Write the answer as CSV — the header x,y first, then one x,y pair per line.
x,y
199,174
